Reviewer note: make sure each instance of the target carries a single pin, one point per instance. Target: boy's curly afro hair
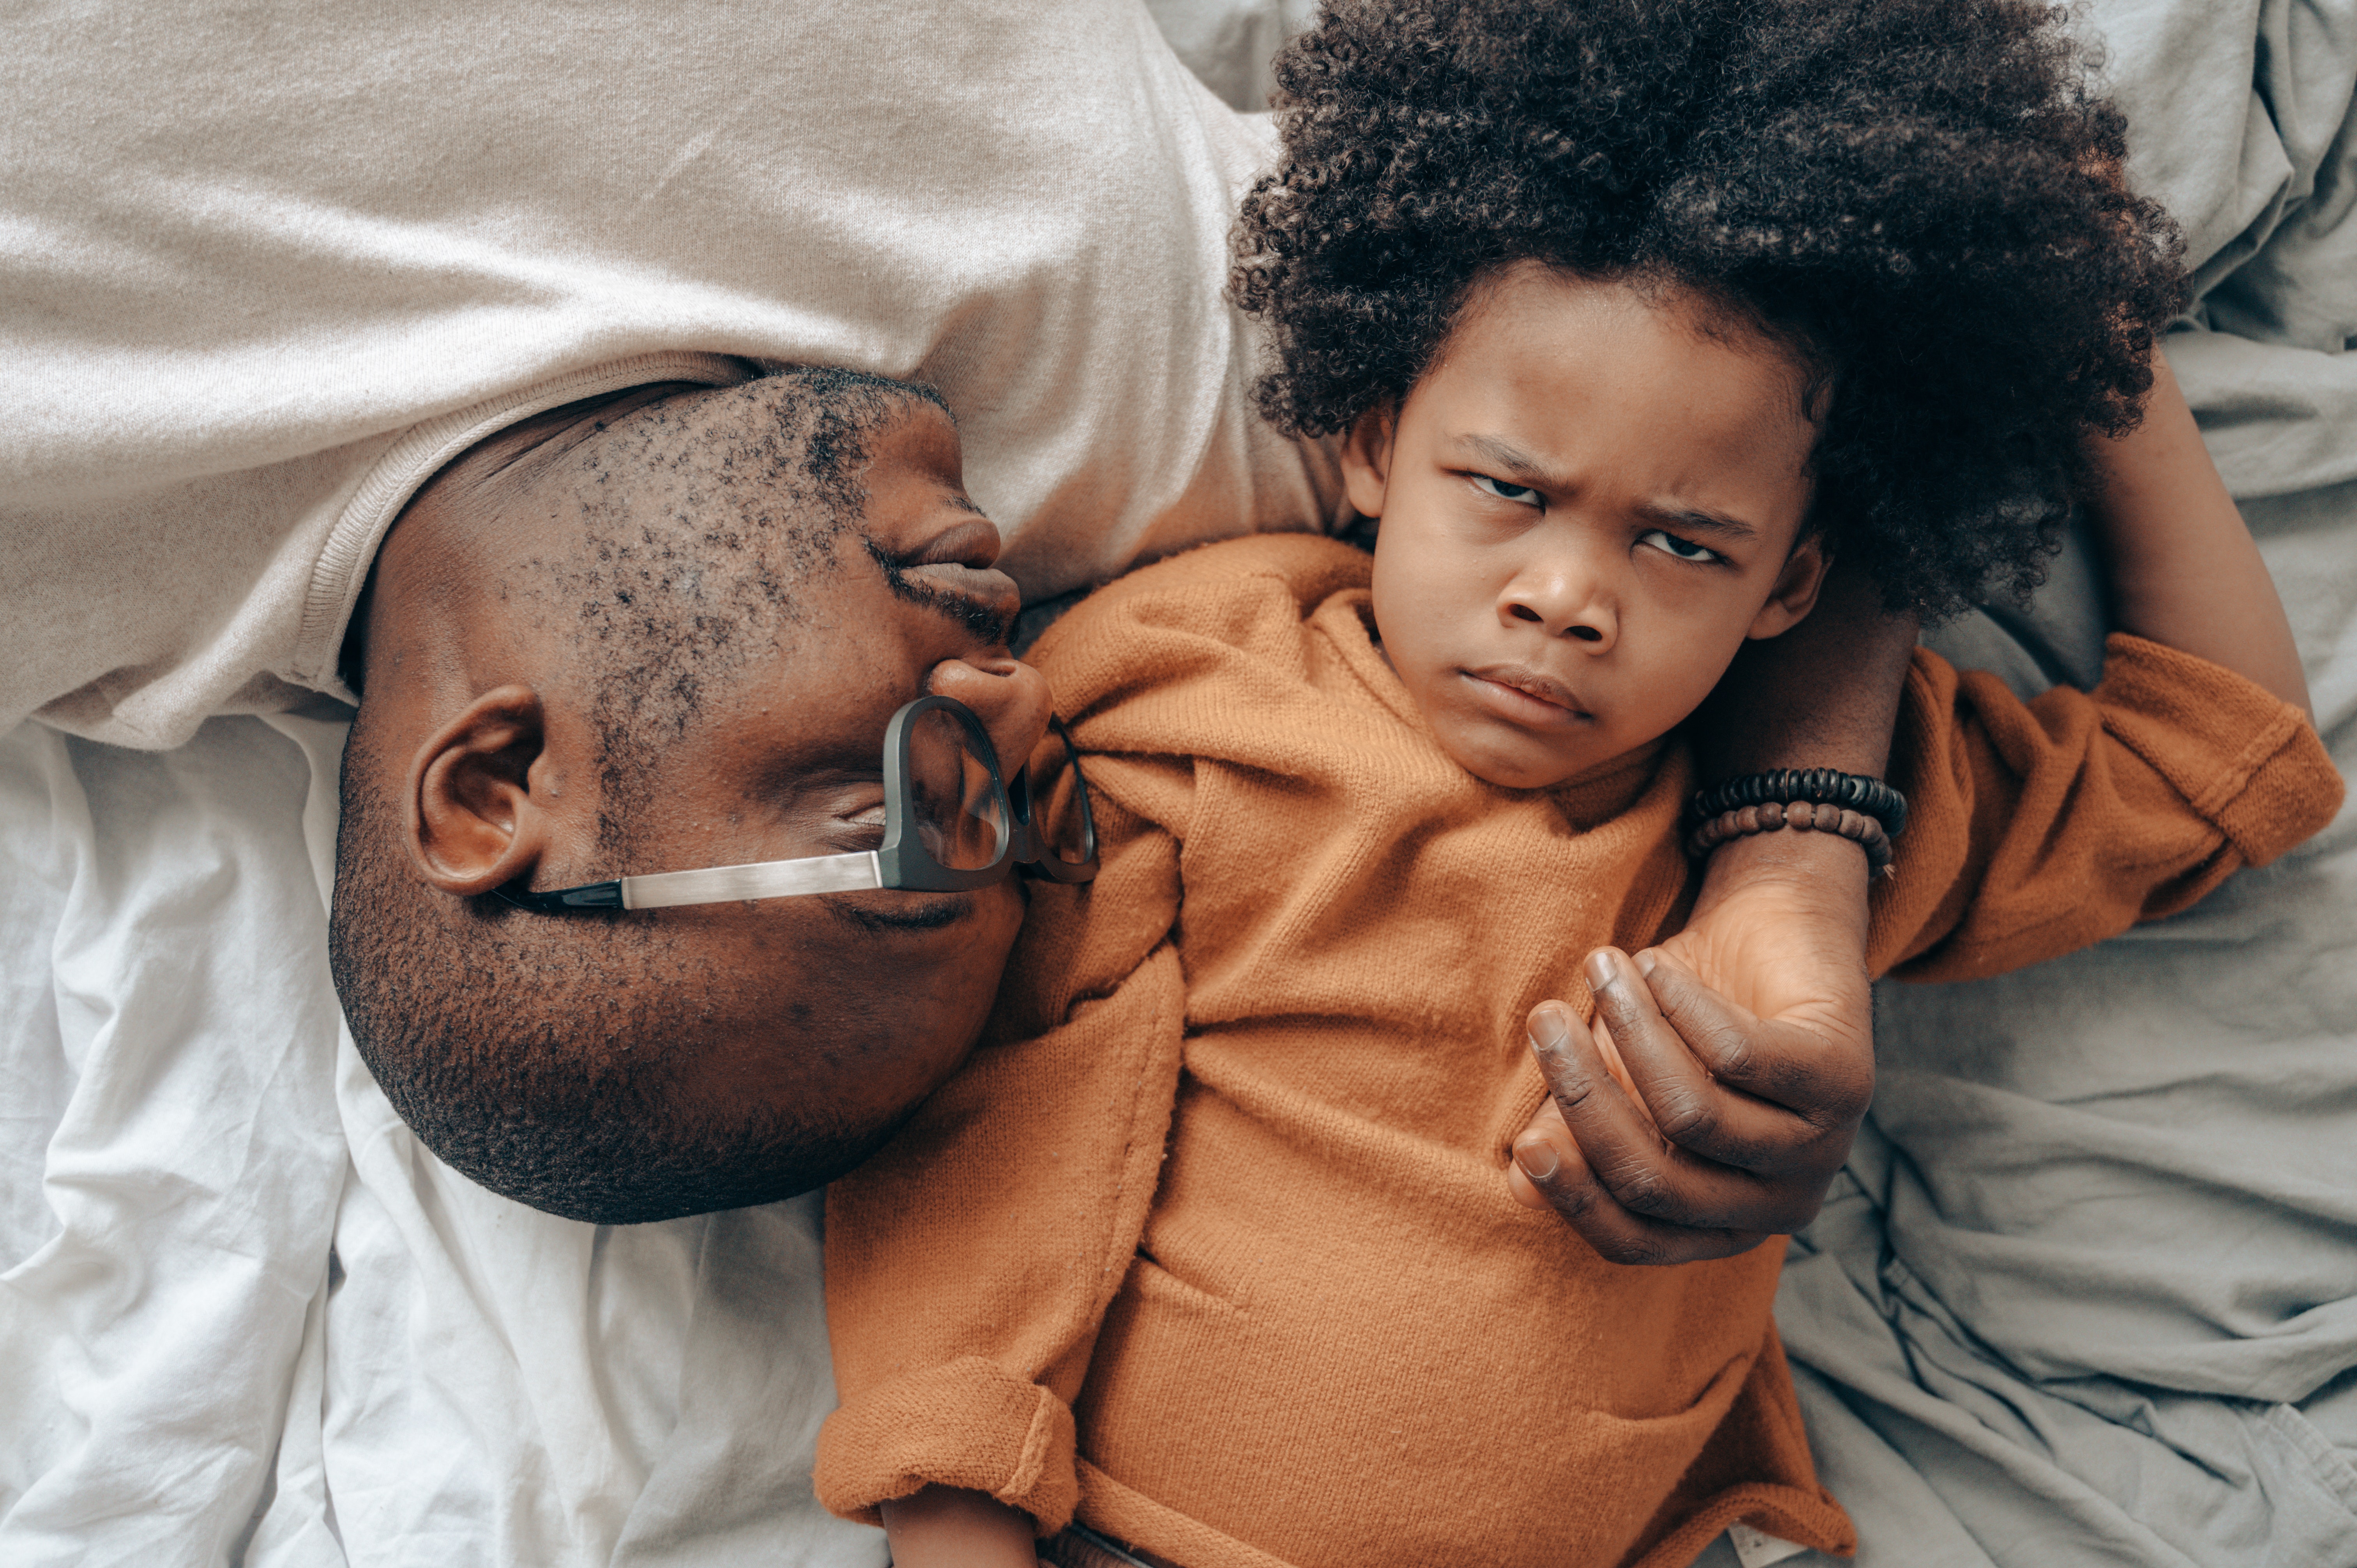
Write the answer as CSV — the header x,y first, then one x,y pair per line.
x,y
1919,198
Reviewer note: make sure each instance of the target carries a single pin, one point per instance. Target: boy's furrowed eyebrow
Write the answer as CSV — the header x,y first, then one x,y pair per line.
x,y
1694,521
1512,463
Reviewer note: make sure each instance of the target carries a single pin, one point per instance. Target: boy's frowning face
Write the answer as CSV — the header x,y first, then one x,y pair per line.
x,y
1595,495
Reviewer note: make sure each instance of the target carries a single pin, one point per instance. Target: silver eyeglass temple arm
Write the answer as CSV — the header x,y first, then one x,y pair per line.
x,y
851,873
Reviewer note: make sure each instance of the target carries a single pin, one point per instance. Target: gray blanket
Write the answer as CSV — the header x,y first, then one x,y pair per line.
x,y
2087,1292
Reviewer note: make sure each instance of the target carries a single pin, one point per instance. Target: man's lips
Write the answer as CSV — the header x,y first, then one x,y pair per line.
x,y
1527,693
974,542
985,585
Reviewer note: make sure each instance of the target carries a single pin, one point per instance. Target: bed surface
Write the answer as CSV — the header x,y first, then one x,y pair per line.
x,y
2087,1294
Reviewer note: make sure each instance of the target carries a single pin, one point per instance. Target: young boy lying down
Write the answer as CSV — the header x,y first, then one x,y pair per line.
x,y
1634,318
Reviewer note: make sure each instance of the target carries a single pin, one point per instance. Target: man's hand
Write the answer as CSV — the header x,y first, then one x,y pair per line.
x,y
1689,1122
1733,1106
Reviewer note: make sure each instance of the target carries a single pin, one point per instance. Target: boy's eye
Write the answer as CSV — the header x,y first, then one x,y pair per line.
x,y
1520,495
1684,548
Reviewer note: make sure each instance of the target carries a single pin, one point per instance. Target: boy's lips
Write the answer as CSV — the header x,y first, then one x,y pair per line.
x,y
1520,691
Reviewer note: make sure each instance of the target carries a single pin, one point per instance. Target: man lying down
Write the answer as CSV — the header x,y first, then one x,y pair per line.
x,y
630,658
660,633
662,630
590,1531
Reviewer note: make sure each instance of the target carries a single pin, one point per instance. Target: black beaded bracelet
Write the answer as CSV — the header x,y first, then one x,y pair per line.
x,y
1817,785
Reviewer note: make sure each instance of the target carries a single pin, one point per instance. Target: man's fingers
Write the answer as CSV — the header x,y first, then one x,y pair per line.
x,y
1548,1173
1687,1101
1625,1154
1826,1081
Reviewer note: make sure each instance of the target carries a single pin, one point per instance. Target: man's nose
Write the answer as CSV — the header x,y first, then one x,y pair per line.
x,y
1008,696
1569,598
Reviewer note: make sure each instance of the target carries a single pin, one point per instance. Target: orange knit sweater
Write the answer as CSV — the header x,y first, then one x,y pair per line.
x,y
1212,1238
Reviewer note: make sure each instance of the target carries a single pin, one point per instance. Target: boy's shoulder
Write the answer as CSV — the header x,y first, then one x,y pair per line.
x,y
1237,603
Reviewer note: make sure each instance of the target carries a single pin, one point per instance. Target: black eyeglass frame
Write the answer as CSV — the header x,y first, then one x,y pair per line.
x,y
901,862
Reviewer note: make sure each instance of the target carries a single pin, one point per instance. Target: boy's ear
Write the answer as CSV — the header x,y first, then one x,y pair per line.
x,y
473,824
1367,457
1795,594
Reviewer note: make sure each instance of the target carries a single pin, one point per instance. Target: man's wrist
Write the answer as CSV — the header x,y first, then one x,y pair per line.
x,y
1822,875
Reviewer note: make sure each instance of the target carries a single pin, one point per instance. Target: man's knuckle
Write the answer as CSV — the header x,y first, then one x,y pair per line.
x,y
1640,1187
1685,1117
1615,1248
1571,1199
1571,1086
1635,1250
1730,1051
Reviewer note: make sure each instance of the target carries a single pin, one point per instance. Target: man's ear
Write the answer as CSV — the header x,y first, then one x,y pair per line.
x,y
1367,457
1795,594
473,824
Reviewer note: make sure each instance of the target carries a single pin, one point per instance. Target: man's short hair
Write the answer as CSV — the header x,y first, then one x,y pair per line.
x,y
527,1051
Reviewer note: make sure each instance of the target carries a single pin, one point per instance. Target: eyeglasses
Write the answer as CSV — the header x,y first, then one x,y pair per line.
x,y
953,822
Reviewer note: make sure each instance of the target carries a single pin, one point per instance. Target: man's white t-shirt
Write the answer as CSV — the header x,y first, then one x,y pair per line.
x,y
266,269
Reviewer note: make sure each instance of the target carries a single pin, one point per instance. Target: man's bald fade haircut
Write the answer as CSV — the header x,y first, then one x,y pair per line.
x,y
532,1053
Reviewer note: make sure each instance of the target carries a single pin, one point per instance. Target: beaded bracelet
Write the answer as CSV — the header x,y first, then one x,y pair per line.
x,y
1818,786
1801,816
1867,811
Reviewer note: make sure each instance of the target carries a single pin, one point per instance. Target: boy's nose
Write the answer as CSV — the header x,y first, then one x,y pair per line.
x,y
1008,696
1563,601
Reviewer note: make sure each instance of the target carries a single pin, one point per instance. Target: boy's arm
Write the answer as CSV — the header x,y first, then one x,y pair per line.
x,y
2058,822
1010,1207
940,1527
1755,1089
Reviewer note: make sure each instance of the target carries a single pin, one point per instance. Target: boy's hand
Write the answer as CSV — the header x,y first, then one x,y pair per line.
x,y
1688,1123
943,1526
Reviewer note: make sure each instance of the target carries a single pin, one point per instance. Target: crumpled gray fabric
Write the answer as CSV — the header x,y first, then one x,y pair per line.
x,y
2087,1291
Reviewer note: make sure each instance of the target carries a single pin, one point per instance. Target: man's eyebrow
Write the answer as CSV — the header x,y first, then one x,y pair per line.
x,y
1694,520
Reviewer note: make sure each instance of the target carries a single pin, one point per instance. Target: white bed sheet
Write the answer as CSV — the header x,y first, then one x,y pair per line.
x,y
248,1317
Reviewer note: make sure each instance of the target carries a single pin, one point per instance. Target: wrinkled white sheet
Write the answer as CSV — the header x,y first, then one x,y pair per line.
x,y
246,1315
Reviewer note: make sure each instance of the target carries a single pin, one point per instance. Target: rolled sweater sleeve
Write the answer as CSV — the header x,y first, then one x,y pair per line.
x,y
2038,828
970,1264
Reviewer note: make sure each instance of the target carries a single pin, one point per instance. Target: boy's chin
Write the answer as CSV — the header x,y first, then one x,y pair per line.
x,y
1515,761
1499,761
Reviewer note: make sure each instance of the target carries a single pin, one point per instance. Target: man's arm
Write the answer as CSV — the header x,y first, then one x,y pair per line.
x,y
2185,571
1751,1092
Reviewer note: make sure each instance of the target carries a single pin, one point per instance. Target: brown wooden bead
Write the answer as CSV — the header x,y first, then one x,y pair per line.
x,y
1771,816
1801,817
1747,820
